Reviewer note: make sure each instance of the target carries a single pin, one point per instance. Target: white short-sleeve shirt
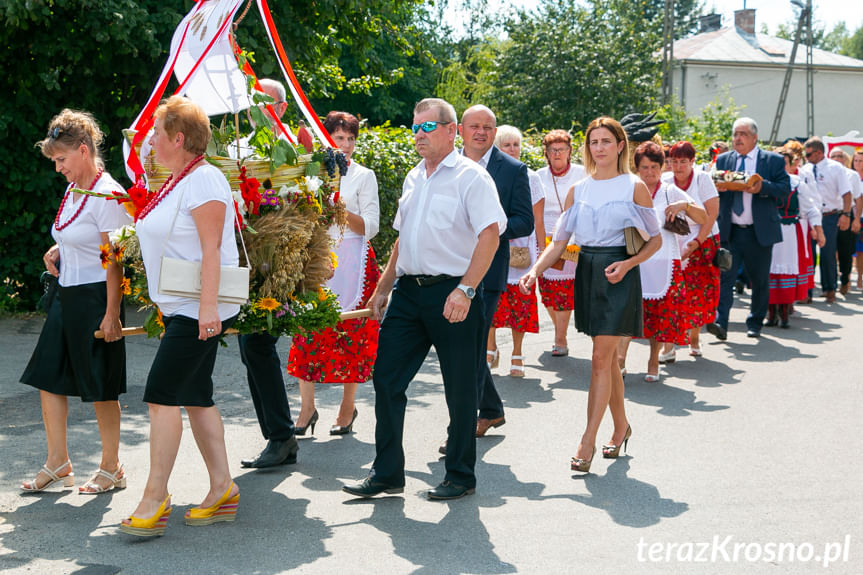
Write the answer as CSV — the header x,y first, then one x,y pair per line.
x,y
205,184
80,259
439,217
831,182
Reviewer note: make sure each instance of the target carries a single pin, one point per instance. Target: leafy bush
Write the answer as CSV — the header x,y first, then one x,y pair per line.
x,y
389,152
713,123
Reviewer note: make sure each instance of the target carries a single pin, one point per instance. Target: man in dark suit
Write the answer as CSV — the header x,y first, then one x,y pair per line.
x,y
749,224
478,128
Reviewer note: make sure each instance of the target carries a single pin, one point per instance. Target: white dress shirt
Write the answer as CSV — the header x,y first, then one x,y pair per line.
x,y
750,166
440,217
831,182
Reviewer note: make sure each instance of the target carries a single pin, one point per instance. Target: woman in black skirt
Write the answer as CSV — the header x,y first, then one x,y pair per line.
x,y
68,360
190,218
607,283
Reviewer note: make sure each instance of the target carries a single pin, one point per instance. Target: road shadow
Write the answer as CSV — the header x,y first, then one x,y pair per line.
x,y
627,501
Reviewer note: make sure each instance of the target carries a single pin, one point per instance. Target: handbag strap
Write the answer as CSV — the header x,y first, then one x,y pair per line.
x,y
234,224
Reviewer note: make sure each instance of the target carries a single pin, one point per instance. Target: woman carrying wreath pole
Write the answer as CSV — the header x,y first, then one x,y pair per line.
x,y
68,360
190,218
345,353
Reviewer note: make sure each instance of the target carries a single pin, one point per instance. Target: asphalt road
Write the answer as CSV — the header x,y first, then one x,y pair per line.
x,y
742,461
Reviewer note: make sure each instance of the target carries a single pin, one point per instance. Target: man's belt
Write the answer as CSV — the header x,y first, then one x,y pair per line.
x,y
831,212
426,280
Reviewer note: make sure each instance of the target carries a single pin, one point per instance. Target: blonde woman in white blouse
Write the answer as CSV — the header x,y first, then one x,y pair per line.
x,y
68,360
608,297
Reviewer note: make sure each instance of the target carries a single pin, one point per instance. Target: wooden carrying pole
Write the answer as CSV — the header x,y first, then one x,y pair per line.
x,y
141,331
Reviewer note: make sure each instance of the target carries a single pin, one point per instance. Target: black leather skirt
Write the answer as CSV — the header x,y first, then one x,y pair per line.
x,y
602,308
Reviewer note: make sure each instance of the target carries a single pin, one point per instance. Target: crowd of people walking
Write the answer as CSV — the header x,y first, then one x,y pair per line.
x,y
639,242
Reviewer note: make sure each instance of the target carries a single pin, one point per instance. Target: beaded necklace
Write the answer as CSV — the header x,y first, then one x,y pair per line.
x,y
166,188
57,225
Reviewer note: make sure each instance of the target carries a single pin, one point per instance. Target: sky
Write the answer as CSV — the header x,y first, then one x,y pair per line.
x,y
827,13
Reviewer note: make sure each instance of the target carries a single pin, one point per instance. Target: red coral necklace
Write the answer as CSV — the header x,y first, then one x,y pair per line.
x,y
166,188
57,225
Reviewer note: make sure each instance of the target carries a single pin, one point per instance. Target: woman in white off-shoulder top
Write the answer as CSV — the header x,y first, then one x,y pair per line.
x,y
607,296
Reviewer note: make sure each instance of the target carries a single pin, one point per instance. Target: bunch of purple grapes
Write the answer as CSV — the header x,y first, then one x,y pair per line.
x,y
335,160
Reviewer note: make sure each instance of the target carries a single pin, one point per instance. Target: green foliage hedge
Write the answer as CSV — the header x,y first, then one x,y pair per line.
x,y
390,153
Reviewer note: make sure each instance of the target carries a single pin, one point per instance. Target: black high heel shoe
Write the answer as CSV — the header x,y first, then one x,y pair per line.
x,y
612,451
302,430
344,429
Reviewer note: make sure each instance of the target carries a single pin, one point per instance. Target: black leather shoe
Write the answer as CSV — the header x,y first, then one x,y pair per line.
x,y
753,333
369,488
717,330
442,448
449,490
277,452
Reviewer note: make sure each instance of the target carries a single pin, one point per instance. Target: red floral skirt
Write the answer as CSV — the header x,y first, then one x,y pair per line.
x,y
667,319
344,353
517,311
702,283
558,295
789,288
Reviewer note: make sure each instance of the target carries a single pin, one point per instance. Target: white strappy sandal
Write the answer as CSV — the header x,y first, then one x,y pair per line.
x,y
516,370
495,358
68,480
93,488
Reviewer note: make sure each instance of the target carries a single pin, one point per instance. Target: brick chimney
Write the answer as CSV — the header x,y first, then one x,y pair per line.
x,y
744,21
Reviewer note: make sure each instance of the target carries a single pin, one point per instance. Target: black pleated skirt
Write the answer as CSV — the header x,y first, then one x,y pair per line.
x,y
603,308
68,360
182,372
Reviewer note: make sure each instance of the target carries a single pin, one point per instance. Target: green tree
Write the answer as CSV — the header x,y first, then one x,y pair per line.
x,y
104,56
853,45
567,63
832,41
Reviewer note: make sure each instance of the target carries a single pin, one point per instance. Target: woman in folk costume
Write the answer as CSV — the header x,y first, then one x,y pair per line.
x,y
516,310
792,265
556,286
666,303
346,353
698,249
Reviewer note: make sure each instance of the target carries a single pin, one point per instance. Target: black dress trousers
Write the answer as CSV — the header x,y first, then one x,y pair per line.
x,y
490,403
414,322
267,386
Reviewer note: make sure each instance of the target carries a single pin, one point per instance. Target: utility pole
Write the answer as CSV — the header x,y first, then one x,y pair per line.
x,y
810,76
804,23
668,53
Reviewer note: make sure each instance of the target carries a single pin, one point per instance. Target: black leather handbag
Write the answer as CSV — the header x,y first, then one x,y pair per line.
x,y
723,259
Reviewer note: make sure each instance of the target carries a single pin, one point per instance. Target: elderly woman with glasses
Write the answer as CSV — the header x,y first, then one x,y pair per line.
x,y
516,310
556,285
68,360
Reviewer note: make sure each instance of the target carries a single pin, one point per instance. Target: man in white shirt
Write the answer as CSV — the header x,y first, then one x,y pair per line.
x,y
835,191
449,220
846,240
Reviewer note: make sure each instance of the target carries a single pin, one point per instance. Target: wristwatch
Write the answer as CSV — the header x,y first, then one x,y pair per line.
x,y
846,214
468,291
